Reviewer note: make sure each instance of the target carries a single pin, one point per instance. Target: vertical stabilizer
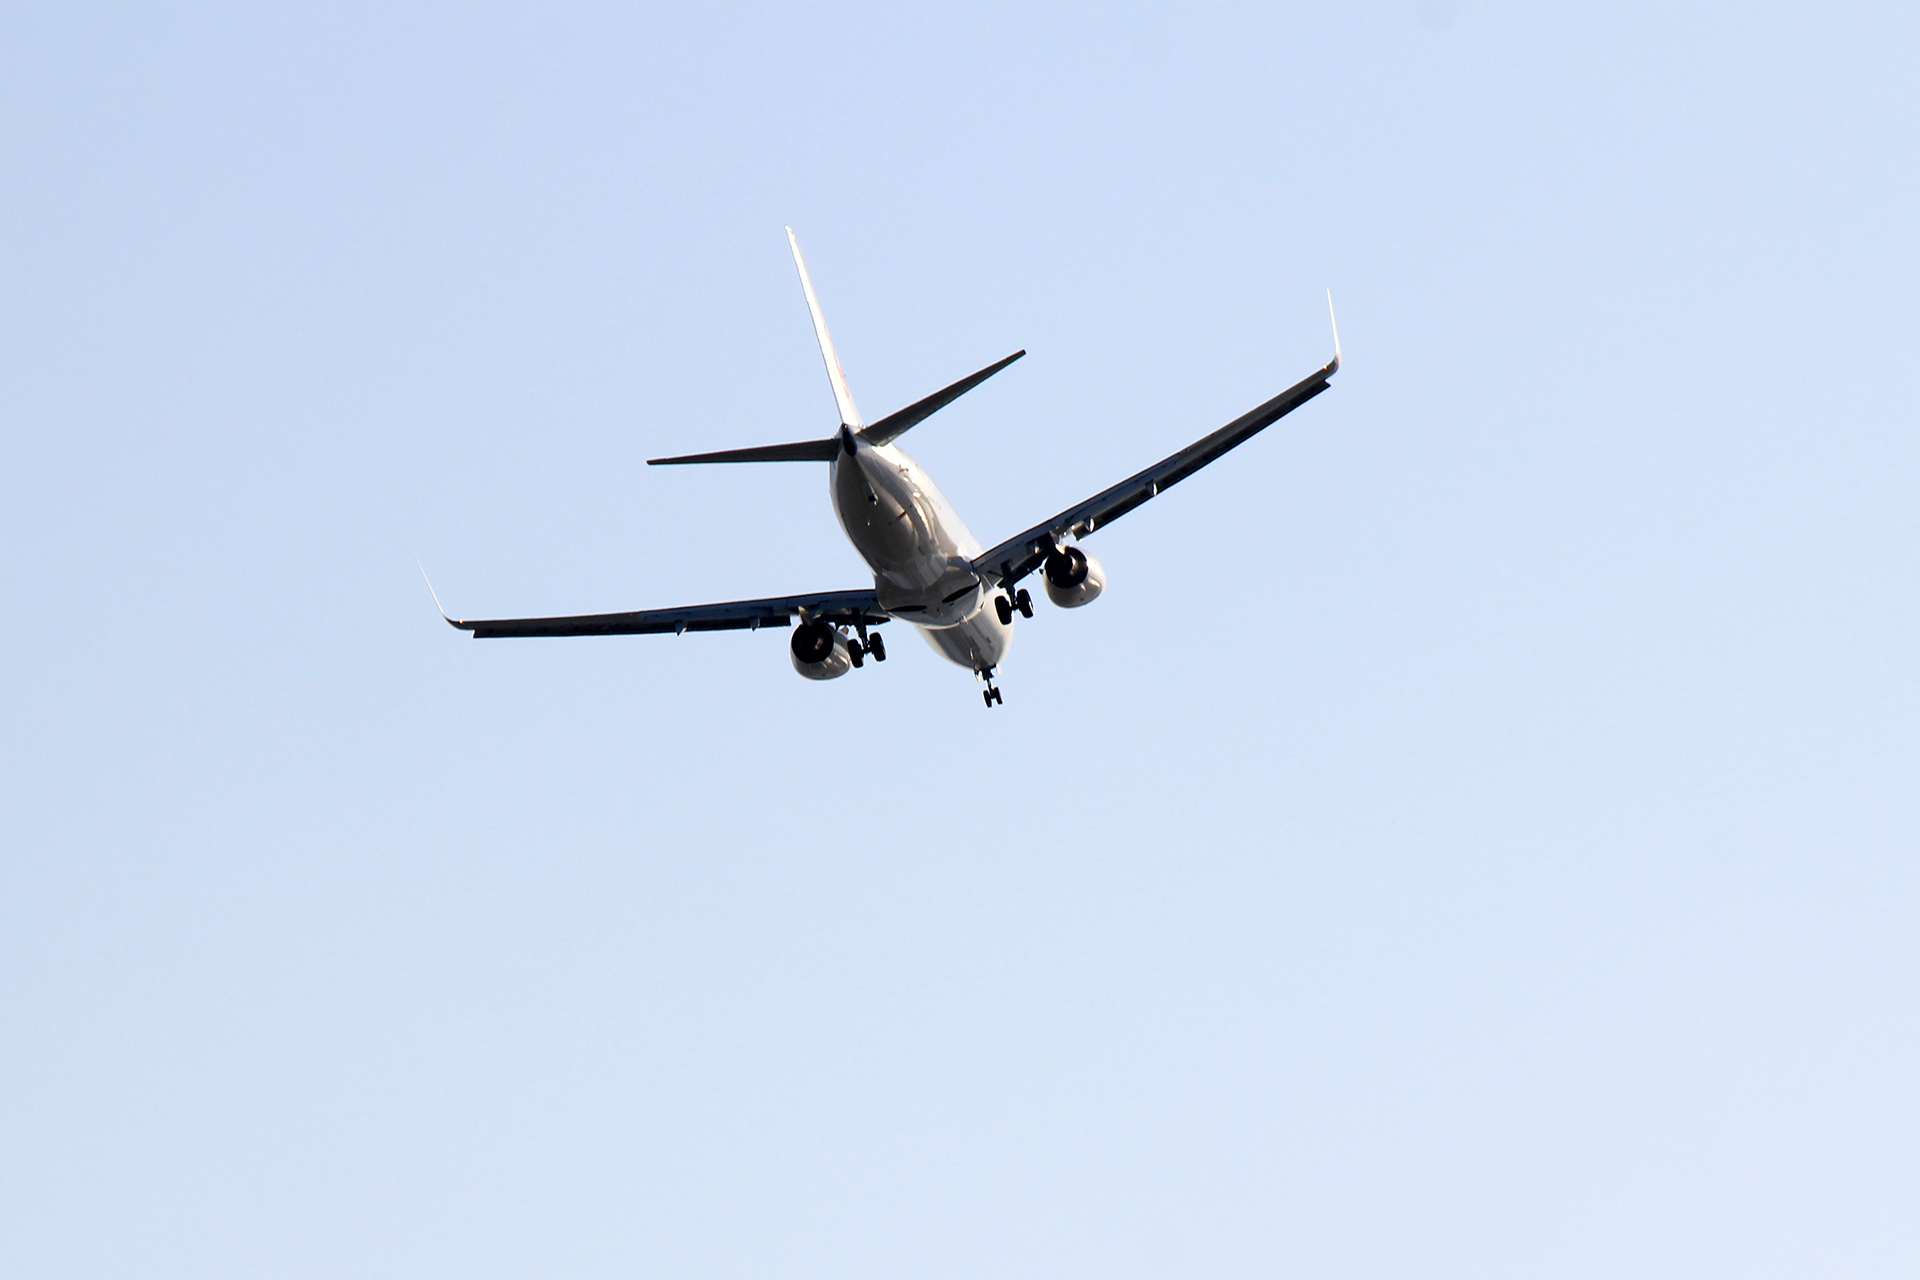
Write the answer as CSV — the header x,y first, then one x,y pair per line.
x,y
842,397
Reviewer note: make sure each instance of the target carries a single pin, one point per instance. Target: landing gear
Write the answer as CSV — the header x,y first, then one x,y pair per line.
x,y
866,644
1005,605
990,694
1023,602
857,653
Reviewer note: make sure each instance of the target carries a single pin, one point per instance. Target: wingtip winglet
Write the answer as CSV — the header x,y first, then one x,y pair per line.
x,y
1335,366
436,597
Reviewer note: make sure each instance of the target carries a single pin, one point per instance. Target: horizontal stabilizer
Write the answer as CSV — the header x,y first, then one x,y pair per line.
x,y
801,451
895,425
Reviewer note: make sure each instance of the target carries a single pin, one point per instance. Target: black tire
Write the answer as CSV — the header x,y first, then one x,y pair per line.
x,y
1003,607
855,652
1024,603
878,648
987,695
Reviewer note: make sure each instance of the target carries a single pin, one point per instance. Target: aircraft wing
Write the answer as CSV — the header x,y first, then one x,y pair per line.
x,y
1019,556
734,615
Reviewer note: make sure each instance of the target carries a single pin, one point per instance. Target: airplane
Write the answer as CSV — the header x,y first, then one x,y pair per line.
x,y
928,570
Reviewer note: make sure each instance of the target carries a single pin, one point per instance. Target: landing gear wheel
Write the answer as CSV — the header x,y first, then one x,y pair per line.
x,y
1003,607
991,695
1023,602
858,654
878,648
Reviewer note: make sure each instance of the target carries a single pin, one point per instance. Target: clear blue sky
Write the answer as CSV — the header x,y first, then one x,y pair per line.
x,y
1475,835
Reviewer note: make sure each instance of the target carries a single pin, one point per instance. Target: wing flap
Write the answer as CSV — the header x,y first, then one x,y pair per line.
x,y
736,615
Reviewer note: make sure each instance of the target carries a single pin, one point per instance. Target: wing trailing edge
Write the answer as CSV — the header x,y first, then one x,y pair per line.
x,y
1020,555
860,608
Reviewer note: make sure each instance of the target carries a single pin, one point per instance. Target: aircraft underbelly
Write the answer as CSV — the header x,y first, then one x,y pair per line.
x,y
880,521
978,644
920,554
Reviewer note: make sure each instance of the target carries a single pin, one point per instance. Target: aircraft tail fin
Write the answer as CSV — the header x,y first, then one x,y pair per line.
x,y
881,432
842,398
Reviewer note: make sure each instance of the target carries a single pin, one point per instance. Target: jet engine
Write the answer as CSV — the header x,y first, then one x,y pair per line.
x,y
819,651
1073,577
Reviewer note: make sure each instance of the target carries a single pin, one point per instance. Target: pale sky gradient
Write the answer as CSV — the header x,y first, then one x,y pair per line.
x,y
1474,836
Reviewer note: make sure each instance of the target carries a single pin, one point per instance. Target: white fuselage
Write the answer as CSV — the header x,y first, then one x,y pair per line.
x,y
920,551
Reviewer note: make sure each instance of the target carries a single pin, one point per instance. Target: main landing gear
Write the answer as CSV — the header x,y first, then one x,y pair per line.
x,y
858,649
991,693
1005,607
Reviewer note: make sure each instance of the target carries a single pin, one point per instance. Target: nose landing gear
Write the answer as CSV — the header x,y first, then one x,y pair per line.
x,y
991,694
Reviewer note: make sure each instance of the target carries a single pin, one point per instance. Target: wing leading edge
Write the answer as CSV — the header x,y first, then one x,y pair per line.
x,y
851,607
1019,556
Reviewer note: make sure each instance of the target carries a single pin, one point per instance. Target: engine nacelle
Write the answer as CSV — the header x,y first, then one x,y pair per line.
x,y
1073,578
819,651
